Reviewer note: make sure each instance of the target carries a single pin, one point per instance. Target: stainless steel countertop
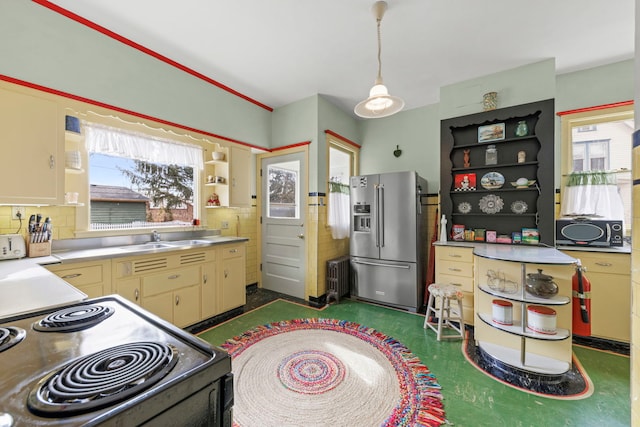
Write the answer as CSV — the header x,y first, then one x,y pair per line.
x,y
92,254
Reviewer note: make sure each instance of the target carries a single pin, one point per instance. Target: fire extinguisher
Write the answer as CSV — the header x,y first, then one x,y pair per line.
x,y
581,302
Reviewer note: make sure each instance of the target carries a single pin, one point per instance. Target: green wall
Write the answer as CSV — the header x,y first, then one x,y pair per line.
x,y
42,47
45,48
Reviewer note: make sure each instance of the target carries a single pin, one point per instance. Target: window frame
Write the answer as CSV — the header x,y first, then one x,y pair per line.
x,y
590,117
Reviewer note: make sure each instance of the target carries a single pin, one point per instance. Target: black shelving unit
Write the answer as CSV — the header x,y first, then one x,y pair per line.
x,y
460,134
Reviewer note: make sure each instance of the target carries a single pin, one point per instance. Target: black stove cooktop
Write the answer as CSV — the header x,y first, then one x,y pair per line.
x,y
99,360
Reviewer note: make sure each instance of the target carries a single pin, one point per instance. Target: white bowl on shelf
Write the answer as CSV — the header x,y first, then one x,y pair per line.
x,y
217,155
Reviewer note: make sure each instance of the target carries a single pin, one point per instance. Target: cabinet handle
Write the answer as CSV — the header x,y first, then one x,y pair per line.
x,y
455,256
52,162
136,293
233,251
177,299
455,284
454,269
71,276
204,278
226,273
173,276
604,264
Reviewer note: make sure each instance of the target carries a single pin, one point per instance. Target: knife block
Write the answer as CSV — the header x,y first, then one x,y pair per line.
x,y
35,250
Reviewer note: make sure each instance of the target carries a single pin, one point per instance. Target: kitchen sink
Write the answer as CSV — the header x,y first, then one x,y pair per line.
x,y
147,246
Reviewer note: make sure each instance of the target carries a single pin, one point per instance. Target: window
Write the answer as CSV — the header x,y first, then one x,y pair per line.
x,y
600,141
137,180
342,162
284,181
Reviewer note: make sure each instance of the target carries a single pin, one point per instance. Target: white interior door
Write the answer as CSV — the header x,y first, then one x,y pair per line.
x,y
283,224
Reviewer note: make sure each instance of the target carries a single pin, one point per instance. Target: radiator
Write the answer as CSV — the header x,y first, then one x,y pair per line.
x,y
338,278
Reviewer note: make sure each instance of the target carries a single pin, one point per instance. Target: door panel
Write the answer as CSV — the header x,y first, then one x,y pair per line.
x,y
283,224
398,199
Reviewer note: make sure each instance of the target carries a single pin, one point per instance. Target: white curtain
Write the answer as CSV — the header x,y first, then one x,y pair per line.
x,y
593,194
338,210
134,145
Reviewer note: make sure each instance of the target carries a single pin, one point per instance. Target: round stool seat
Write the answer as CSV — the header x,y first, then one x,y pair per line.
x,y
445,291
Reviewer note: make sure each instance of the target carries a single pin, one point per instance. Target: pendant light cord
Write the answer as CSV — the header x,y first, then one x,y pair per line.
x,y
379,78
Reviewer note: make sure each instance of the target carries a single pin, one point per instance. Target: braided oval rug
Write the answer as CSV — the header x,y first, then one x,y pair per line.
x,y
326,372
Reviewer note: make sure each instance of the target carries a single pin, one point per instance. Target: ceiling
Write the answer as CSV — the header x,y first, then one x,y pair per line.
x,y
280,51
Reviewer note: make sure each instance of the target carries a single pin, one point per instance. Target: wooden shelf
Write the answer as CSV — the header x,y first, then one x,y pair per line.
x,y
502,165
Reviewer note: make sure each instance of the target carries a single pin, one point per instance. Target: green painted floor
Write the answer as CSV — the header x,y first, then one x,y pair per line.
x,y
471,398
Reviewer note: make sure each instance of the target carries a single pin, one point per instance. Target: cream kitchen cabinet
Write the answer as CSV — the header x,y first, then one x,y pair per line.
x,y
209,298
240,177
32,139
92,277
610,277
173,295
184,287
232,287
454,266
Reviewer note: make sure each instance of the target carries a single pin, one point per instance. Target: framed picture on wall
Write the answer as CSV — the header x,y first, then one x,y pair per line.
x,y
488,133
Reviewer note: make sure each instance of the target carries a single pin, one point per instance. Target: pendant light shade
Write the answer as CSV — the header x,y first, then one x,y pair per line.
x,y
379,103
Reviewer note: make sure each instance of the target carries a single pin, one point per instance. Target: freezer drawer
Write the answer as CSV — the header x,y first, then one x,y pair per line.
x,y
387,282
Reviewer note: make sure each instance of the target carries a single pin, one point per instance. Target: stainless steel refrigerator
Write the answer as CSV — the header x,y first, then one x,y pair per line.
x,y
388,238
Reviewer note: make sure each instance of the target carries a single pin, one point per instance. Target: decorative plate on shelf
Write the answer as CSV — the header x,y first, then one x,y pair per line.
x,y
491,204
519,207
492,180
464,207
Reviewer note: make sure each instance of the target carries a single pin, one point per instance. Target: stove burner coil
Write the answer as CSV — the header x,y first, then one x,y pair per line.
x,y
101,379
75,318
10,336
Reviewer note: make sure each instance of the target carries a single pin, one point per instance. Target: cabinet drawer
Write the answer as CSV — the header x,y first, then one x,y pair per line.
x,y
606,263
455,268
232,251
450,253
81,276
170,280
464,283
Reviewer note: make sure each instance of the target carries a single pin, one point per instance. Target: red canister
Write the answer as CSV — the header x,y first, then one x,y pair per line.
x,y
502,312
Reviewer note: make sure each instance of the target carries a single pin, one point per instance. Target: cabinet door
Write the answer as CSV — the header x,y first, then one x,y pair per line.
x,y
610,306
32,135
94,279
240,182
129,289
186,306
232,288
209,288
160,305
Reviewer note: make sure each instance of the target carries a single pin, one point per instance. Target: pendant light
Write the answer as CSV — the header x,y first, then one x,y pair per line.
x,y
379,103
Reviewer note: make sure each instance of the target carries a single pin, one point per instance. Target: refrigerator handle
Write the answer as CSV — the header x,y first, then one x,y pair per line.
x,y
419,199
381,225
379,264
376,210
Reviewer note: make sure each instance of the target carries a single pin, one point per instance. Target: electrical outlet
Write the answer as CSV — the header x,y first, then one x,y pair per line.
x,y
224,225
18,212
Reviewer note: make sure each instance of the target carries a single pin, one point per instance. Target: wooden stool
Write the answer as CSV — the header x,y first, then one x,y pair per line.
x,y
445,313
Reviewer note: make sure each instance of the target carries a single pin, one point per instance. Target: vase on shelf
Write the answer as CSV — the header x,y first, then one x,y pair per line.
x,y
522,129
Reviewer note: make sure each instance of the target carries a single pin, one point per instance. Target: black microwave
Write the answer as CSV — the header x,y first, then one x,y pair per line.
x,y
589,232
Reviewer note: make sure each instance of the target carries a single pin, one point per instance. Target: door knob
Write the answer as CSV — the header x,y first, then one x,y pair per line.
x,y
300,236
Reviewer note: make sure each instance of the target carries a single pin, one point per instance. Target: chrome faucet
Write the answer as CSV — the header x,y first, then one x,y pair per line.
x,y
155,236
